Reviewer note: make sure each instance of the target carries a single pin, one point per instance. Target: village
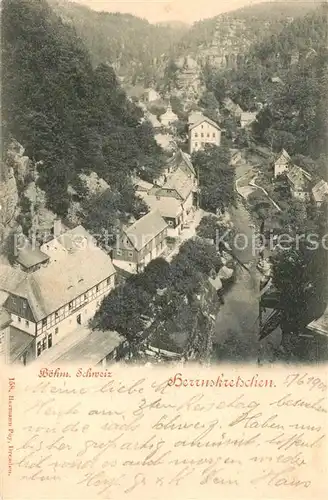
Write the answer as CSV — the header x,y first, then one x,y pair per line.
x,y
52,290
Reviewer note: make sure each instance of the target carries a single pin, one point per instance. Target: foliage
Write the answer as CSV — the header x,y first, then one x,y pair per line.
x,y
300,276
133,45
72,117
293,115
216,177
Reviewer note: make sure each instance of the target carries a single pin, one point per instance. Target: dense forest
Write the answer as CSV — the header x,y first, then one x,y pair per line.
x,y
294,104
70,116
136,47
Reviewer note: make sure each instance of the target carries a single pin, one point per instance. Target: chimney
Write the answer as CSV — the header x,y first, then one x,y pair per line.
x,y
57,228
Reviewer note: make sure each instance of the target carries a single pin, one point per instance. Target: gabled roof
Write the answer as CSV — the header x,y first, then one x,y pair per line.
x,y
320,191
282,156
179,157
248,115
81,266
93,348
180,182
145,229
29,257
202,120
167,206
18,343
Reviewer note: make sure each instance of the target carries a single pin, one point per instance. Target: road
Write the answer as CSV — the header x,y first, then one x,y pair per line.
x,y
237,324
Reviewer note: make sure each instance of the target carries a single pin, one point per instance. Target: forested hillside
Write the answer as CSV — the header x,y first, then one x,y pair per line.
x,y
135,46
252,23
294,113
69,116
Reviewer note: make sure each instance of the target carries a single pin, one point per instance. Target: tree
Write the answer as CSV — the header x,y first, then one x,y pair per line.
x,y
216,177
300,276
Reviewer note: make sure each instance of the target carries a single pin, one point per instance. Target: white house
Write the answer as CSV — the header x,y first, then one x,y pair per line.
x,y
204,131
48,300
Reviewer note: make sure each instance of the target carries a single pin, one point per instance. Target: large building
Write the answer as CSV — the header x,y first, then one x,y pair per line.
x,y
203,131
141,242
49,298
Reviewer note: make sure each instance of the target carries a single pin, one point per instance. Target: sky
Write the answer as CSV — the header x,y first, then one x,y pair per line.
x,y
168,10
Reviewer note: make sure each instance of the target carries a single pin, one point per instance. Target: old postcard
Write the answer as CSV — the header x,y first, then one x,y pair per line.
x,y
163,249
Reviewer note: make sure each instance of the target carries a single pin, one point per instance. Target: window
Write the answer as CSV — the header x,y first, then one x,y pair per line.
x,y
130,254
118,252
44,321
70,305
19,319
108,281
56,314
202,126
202,135
39,348
196,144
97,288
85,296
27,323
208,134
49,340
213,134
170,223
44,344
196,135
56,331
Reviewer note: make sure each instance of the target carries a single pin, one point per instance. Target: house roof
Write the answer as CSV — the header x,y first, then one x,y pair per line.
x,y
247,116
216,282
94,183
81,266
298,177
167,206
276,79
180,182
153,120
19,341
195,117
141,185
320,325
145,229
93,348
202,120
282,156
169,114
179,157
320,191
29,257
5,318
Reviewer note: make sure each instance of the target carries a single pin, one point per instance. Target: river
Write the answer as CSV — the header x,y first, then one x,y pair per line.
x,y
237,324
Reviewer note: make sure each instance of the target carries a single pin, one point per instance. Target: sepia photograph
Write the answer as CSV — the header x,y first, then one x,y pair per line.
x,y
164,182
